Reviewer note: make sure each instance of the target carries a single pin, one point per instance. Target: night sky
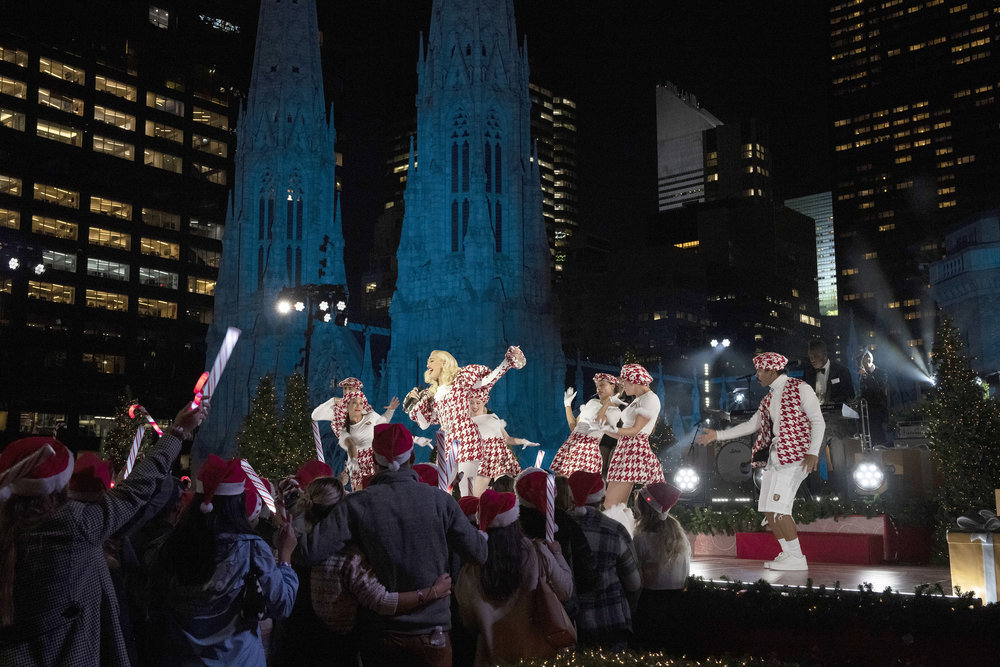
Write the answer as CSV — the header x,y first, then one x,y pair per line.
x,y
765,59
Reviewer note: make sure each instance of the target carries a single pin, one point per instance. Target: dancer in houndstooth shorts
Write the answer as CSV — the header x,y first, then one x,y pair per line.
x,y
582,450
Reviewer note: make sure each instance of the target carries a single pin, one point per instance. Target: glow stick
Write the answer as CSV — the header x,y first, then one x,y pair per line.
x,y
136,408
319,442
265,495
219,365
134,449
26,465
550,508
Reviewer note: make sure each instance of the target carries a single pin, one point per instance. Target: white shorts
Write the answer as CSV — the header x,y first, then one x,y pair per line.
x,y
778,487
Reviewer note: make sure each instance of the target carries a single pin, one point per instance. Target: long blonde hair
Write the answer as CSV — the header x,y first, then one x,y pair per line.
x,y
668,539
448,371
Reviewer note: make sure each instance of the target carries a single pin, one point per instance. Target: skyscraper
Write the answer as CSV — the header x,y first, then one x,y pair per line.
x,y
282,229
473,257
680,166
819,207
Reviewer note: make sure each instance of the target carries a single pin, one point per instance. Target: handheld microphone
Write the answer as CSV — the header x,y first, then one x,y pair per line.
x,y
411,400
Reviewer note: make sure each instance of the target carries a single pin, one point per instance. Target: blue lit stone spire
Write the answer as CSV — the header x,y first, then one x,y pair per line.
x,y
473,255
283,227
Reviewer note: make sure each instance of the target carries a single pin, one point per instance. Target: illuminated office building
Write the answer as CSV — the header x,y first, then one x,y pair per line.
x,y
680,159
819,207
916,149
116,153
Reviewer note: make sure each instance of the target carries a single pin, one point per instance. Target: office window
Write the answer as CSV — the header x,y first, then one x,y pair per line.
x,y
54,195
209,173
198,314
208,230
51,292
159,17
61,70
156,218
157,308
161,131
105,268
109,238
210,118
13,87
6,286
114,147
119,119
204,257
106,300
116,88
209,145
16,56
10,219
60,229
159,248
112,364
164,103
11,119
162,160
157,278
111,207
59,261
58,132
10,185
56,100
201,285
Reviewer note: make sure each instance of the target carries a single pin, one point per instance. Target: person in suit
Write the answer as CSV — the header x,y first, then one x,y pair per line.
x,y
831,381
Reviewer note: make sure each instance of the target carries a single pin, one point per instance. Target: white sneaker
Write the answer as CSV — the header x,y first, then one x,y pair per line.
x,y
790,563
769,563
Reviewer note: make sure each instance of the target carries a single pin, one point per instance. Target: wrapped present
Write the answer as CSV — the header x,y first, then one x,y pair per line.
x,y
974,563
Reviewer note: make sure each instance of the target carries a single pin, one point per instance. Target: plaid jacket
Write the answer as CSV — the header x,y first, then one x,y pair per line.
x,y
608,606
65,608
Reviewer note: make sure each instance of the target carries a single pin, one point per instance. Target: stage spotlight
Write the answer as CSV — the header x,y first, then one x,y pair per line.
x,y
327,317
715,342
726,342
324,306
13,263
686,479
284,307
299,306
869,477
39,269
341,306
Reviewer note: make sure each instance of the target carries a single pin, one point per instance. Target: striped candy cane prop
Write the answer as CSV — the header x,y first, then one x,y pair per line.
x,y
262,489
539,458
319,442
206,384
550,508
446,461
136,409
134,449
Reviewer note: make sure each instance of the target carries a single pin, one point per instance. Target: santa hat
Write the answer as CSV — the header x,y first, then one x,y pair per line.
x,y
310,470
530,487
661,496
253,502
392,445
497,510
769,361
34,466
636,374
587,487
469,506
218,477
91,478
607,377
428,473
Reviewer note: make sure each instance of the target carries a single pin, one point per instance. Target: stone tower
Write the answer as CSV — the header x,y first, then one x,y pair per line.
x,y
283,226
473,255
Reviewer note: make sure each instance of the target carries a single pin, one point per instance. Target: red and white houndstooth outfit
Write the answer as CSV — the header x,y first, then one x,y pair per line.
x,y
498,459
582,450
633,460
449,406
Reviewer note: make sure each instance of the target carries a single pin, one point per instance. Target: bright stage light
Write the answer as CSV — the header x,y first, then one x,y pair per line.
x,y
13,263
686,479
324,306
39,269
284,307
726,342
327,317
299,306
868,476
714,342
341,306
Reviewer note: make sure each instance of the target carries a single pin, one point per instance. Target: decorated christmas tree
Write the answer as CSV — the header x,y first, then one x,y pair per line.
x,y
297,443
118,439
259,440
963,428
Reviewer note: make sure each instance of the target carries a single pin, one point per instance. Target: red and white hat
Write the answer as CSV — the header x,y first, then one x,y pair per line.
x,y
469,505
497,510
91,478
530,487
219,477
392,445
607,377
661,496
769,361
27,468
587,487
310,470
429,473
253,502
636,374
352,389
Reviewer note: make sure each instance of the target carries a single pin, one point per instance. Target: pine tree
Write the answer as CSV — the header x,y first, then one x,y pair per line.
x,y
962,428
259,440
297,444
118,439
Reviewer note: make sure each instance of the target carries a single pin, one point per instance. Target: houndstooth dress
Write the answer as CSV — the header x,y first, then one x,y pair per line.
x,y
498,459
633,460
363,433
582,450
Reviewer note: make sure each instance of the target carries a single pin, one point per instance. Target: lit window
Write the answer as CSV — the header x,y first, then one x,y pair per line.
x,y
11,119
162,160
59,261
16,56
109,238
159,17
60,229
164,103
209,145
201,285
204,257
160,248
106,300
211,118
114,147
104,268
209,173
61,71
116,88
151,216
10,185
60,196
58,132
51,292
10,219
66,103
114,117
111,207
13,87
158,278
6,286
208,230
112,364
161,131
157,308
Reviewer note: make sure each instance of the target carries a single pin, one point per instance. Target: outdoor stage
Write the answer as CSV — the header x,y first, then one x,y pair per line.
x,y
900,578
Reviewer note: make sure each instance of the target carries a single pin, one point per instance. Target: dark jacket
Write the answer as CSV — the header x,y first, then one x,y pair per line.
x,y
839,386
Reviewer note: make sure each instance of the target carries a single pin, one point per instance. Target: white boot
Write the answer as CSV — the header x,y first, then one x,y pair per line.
x,y
469,469
623,515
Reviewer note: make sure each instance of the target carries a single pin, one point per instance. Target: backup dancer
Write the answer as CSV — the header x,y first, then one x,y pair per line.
x,y
498,458
446,402
582,450
354,420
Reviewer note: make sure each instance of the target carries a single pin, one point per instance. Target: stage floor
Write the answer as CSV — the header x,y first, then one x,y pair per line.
x,y
900,578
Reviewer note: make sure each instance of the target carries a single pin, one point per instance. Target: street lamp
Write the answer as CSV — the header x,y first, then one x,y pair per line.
x,y
315,301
